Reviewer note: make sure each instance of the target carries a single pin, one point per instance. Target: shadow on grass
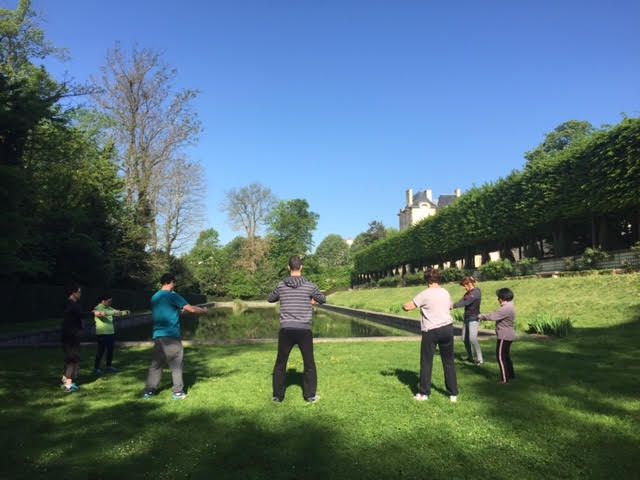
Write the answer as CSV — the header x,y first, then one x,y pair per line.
x,y
558,419
411,379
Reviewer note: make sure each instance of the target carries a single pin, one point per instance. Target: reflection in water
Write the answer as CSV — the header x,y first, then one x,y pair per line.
x,y
224,324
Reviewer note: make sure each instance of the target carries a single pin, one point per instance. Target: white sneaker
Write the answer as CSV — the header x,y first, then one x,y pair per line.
x,y
453,398
421,397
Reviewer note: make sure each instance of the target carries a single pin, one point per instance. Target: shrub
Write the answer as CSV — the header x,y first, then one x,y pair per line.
x,y
241,284
496,270
393,281
589,260
453,274
413,278
549,325
525,266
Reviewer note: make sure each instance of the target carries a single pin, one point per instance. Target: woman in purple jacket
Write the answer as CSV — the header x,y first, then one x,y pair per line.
x,y
471,303
504,318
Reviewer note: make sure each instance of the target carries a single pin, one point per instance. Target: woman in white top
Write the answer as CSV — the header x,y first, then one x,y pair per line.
x,y
437,329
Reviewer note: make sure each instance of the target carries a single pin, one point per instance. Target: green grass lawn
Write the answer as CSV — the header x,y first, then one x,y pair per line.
x,y
589,301
572,412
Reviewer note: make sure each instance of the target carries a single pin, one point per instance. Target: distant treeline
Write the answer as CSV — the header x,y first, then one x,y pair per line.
x,y
584,195
26,302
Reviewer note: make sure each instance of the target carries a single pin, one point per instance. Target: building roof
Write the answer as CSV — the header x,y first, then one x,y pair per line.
x,y
421,197
444,200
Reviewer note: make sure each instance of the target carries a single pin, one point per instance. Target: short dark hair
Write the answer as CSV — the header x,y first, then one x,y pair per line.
x,y
167,278
71,287
104,296
504,294
468,279
295,263
432,275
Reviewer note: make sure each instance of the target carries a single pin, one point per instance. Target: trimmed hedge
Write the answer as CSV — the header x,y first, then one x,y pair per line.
x,y
590,178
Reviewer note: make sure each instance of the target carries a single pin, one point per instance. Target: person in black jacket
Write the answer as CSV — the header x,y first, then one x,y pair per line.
x,y
71,327
296,295
471,303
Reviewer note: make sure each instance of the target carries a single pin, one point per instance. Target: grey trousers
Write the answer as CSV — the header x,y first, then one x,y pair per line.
x,y
170,350
470,337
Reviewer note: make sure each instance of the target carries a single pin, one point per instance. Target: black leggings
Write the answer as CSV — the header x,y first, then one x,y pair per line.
x,y
503,356
105,342
71,347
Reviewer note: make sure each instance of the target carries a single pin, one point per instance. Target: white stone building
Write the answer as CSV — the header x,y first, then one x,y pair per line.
x,y
422,206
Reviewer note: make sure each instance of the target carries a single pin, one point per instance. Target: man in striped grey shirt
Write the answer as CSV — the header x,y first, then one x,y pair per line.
x,y
296,295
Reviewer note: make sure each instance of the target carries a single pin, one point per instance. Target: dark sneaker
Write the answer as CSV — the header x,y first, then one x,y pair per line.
x,y
111,369
276,399
313,399
179,396
97,371
147,395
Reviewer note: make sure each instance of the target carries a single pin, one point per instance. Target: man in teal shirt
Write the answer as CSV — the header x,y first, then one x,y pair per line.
x,y
166,306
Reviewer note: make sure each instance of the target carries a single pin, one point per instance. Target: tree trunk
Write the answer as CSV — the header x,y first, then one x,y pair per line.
x,y
469,259
603,233
560,235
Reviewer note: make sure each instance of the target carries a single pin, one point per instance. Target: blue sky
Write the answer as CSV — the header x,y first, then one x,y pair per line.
x,y
349,103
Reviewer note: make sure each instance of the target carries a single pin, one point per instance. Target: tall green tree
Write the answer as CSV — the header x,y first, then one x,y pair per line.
x,y
28,96
290,227
375,232
207,262
333,251
566,134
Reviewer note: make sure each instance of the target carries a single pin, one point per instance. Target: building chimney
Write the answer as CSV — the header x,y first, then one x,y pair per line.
x,y
409,197
427,192
457,192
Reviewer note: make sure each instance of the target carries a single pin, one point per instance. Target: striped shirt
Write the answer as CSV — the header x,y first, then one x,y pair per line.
x,y
295,294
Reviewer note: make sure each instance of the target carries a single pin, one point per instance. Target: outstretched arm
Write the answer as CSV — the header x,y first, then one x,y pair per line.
x,y
274,296
317,296
410,305
195,309
494,316
466,300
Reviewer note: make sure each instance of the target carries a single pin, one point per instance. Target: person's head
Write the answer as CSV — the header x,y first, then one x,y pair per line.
x,y
295,264
167,281
72,290
504,295
105,299
432,276
468,283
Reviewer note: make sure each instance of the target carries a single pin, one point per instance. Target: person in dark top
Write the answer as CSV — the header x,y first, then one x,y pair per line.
x,y
296,295
71,327
471,303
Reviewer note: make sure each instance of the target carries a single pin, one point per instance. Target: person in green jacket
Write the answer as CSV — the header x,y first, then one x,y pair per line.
x,y
105,332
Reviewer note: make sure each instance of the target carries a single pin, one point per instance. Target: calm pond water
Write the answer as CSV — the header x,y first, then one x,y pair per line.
x,y
224,324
